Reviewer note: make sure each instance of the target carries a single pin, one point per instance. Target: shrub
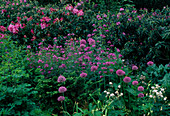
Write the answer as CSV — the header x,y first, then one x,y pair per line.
x,y
139,35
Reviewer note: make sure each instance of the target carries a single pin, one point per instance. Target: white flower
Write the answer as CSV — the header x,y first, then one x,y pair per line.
x,y
119,86
154,91
123,60
162,96
112,94
162,89
110,83
153,87
117,92
108,93
121,94
105,91
165,98
150,96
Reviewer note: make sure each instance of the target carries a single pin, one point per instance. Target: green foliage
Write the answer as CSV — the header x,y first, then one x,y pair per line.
x,y
142,35
156,4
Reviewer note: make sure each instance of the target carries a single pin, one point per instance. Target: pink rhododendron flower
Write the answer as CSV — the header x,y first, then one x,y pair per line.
x,y
43,25
80,13
2,35
75,11
118,23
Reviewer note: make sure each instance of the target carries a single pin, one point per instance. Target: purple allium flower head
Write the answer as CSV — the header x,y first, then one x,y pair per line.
x,y
94,68
134,67
111,70
127,79
91,41
140,95
140,88
82,45
120,72
83,41
61,79
62,89
83,74
61,98
150,63
134,82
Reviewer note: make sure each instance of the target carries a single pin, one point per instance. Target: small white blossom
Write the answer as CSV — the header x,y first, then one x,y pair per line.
x,y
108,93
110,83
121,94
117,92
165,98
153,87
162,89
119,86
112,94
150,96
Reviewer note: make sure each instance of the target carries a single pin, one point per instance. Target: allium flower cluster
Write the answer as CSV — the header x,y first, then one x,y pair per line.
x,y
150,63
62,89
134,67
127,79
120,72
61,98
83,74
134,82
94,68
61,79
140,95
140,88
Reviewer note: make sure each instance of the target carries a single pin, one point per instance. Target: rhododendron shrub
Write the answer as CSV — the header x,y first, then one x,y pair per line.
x,y
29,24
135,33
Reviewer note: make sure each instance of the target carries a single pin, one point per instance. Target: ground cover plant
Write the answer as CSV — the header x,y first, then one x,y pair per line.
x,y
81,58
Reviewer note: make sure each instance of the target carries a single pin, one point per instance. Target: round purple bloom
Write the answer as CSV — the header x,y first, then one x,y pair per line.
x,y
127,79
82,45
83,41
134,67
94,68
92,41
61,98
150,63
140,95
140,88
83,74
120,72
61,79
62,89
134,82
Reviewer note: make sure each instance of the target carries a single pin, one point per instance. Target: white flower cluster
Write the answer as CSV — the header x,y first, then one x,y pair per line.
x,y
157,92
115,94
